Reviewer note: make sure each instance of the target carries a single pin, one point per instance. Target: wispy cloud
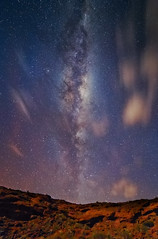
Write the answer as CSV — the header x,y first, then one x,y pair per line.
x,y
124,187
138,65
135,111
100,127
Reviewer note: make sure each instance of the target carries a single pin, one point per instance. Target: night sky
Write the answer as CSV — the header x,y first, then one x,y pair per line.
x,y
79,98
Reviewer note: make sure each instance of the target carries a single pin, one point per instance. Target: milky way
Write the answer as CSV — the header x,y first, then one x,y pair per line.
x,y
78,98
75,88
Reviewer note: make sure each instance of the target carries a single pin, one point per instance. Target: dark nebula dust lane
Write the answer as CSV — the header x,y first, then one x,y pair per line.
x,y
78,98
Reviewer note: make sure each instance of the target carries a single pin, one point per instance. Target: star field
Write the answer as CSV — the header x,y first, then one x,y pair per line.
x,y
78,98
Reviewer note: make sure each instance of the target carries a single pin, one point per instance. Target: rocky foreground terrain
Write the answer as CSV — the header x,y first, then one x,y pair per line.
x,y
30,215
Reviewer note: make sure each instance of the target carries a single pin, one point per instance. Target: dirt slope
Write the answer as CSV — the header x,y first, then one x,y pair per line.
x,y
29,215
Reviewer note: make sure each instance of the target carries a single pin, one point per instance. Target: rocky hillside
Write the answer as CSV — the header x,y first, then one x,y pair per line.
x,y
30,215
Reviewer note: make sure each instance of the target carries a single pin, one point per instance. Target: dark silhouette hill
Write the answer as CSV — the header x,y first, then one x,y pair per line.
x,y
30,215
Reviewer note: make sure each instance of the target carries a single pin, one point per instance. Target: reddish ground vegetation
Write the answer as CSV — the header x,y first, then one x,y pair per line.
x,y
30,215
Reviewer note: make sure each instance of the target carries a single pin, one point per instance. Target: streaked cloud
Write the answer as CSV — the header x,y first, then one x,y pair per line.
x,y
21,104
16,150
128,73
